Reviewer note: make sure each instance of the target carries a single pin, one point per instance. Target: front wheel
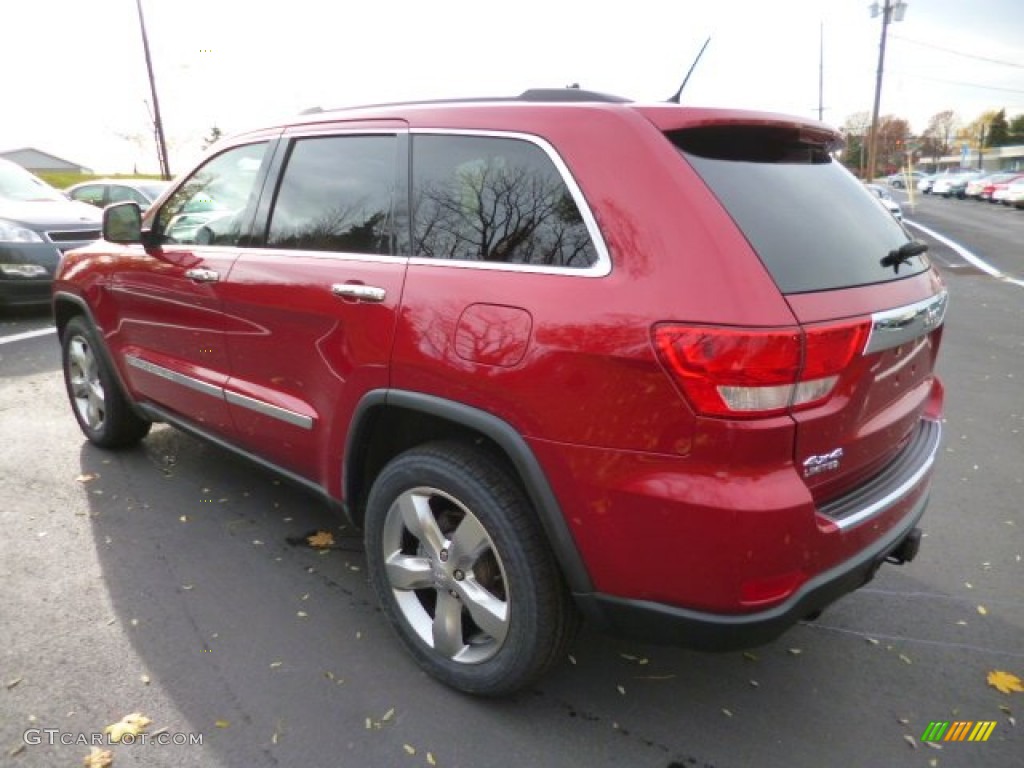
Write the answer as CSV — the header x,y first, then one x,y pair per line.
x,y
101,408
463,572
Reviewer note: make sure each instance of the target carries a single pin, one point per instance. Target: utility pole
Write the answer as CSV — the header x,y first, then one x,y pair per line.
x,y
891,10
161,143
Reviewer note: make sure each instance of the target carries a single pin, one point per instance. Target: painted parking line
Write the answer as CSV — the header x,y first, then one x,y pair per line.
x,y
966,255
26,335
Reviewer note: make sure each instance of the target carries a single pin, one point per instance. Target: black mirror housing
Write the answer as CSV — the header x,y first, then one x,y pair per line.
x,y
122,223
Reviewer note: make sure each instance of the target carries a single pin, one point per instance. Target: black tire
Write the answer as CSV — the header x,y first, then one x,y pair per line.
x,y
473,553
97,401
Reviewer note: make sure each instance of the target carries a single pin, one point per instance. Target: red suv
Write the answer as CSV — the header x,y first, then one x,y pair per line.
x,y
670,368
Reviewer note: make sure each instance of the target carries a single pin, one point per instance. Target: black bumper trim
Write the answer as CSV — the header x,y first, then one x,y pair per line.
x,y
669,625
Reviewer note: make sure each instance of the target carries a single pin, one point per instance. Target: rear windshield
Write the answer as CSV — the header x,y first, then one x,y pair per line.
x,y
813,224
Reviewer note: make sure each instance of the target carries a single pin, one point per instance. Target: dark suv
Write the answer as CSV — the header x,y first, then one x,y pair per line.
x,y
667,367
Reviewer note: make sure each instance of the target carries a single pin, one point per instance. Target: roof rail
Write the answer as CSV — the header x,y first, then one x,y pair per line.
x,y
568,94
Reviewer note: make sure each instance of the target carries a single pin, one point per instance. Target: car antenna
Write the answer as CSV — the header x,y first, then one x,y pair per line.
x,y
674,98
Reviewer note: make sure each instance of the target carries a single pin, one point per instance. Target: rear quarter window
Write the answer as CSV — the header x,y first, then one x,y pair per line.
x,y
814,226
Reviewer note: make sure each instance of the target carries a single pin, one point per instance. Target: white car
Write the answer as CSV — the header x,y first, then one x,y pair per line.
x,y
886,199
1015,194
953,185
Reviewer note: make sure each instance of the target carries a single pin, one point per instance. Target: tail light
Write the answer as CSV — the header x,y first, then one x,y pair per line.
x,y
753,372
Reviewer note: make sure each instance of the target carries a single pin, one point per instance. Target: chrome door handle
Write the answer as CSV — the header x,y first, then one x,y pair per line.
x,y
197,275
359,292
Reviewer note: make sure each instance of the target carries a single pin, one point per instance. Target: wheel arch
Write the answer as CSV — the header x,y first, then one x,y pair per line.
x,y
387,422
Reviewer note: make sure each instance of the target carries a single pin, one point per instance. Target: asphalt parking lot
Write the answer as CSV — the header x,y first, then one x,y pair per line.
x,y
173,580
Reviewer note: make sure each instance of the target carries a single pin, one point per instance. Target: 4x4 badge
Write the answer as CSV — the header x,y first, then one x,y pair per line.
x,y
822,462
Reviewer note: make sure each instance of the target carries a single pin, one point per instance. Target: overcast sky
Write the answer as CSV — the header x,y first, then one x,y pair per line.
x,y
75,85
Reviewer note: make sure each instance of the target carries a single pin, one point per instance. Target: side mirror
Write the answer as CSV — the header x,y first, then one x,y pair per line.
x,y
122,223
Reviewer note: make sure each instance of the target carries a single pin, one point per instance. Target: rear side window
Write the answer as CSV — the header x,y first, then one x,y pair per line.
x,y
814,226
336,194
494,199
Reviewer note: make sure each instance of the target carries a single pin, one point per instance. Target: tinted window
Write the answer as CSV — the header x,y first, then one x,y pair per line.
x,y
208,208
813,224
120,194
494,199
336,195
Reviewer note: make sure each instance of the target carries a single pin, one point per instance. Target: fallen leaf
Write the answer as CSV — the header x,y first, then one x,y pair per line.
x,y
933,762
871,640
726,712
144,679
1005,709
184,518
98,758
1005,682
257,542
301,614
572,659
275,664
749,656
83,479
129,725
188,587
905,658
222,723
388,715
795,651
411,750
13,682
430,759
910,740
369,724
982,610
933,745
321,540
620,689
754,684
15,751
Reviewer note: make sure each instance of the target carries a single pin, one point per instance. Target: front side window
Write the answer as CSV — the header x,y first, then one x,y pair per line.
x,y
208,208
494,199
336,194
92,194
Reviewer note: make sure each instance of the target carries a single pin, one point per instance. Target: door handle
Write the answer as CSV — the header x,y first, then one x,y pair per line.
x,y
359,292
198,275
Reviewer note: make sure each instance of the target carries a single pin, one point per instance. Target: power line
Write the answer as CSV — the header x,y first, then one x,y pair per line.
x,y
959,53
960,82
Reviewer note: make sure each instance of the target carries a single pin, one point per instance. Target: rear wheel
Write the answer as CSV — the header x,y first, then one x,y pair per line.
x,y
101,408
463,572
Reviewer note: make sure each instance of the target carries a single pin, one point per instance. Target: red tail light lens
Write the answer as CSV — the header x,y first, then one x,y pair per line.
x,y
750,372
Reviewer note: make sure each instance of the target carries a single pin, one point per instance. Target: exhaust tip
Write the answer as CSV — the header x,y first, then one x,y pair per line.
x,y
907,549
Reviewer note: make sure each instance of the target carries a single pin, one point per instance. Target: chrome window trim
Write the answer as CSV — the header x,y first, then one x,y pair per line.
x,y
265,408
895,495
235,398
894,327
178,378
601,268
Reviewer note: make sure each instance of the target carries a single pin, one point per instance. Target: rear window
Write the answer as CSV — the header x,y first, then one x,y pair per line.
x,y
814,225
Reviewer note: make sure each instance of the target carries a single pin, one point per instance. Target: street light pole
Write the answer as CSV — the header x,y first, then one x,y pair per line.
x,y
891,11
161,143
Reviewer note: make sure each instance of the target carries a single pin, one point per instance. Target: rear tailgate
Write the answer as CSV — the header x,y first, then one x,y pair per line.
x,y
843,264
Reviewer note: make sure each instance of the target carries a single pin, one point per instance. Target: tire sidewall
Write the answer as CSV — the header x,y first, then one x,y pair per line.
x,y
526,639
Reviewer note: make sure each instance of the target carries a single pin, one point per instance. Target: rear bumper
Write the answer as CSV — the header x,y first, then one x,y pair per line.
x,y
659,623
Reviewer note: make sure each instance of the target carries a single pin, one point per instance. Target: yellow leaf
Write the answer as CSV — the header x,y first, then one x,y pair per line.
x,y
982,610
430,759
409,749
1005,682
222,723
388,715
98,758
129,725
321,540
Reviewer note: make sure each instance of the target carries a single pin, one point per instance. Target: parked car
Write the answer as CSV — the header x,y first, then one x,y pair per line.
x,y
977,186
886,199
903,179
924,185
953,185
37,223
553,353
1015,194
997,191
103,192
